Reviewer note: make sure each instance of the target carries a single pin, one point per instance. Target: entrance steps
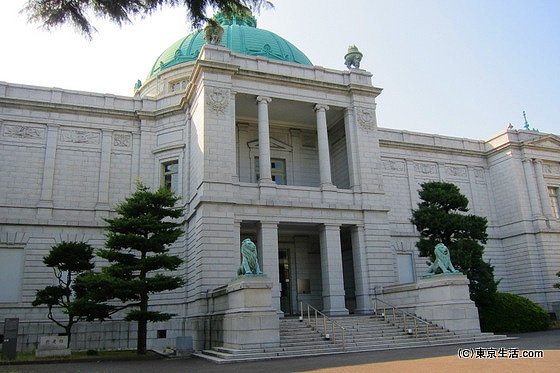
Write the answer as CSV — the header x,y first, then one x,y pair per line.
x,y
363,333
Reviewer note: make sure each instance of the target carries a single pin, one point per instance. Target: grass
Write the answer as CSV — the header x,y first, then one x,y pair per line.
x,y
82,355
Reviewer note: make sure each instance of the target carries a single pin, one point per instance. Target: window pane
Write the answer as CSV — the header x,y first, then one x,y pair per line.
x,y
11,274
553,194
171,176
277,170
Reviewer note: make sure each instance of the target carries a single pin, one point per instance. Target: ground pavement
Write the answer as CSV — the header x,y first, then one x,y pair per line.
x,y
508,358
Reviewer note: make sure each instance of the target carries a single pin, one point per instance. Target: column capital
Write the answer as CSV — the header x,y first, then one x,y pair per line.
x,y
264,99
319,107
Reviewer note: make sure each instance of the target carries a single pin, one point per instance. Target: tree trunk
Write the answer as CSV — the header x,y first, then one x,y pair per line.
x,y
142,337
142,326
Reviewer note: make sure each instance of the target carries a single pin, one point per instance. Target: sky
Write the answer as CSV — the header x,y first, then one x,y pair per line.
x,y
463,68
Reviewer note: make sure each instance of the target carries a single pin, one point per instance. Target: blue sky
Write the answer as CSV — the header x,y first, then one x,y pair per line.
x,y
450,67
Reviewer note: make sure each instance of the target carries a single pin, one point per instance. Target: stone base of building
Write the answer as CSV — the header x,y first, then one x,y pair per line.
x,y
441,299
243,316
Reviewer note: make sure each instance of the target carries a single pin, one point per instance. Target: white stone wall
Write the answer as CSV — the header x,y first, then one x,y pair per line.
x,y
67,157
492,177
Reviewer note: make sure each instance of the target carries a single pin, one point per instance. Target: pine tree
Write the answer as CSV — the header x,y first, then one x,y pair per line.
x,y
53,13
68,260
442,216
137,249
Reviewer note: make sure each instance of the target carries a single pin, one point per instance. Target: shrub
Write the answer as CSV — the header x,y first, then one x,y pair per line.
x,y
513,314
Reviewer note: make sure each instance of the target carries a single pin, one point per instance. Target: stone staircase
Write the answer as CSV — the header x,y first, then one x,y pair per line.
x,y
362,333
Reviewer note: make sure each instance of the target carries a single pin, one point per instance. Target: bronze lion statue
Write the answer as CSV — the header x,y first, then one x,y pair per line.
x,y
249,264
442,262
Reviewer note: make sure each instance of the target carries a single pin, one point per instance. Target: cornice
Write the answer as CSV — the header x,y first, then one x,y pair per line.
x,y
310,83
66,108
429,148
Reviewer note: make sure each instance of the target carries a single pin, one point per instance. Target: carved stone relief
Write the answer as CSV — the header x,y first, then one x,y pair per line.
x,y
424,169
218,100
456,172
479,175
365,118
394,166
121,140
80,136
551,169
23,132
403,247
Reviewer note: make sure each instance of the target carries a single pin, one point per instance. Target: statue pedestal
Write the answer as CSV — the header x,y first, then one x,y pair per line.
x,y
441,299
243,316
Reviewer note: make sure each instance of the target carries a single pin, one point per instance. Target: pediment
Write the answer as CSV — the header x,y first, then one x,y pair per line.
x,y
548,142
274,145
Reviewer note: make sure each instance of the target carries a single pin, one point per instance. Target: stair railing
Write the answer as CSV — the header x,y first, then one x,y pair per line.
x,y
407,318
321,323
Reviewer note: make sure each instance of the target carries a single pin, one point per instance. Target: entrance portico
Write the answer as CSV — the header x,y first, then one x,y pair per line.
x,y
304,262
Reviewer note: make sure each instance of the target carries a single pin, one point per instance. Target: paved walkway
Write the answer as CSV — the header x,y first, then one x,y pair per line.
x,y
417,360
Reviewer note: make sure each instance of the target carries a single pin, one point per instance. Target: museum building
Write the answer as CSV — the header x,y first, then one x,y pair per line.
x,y
260,144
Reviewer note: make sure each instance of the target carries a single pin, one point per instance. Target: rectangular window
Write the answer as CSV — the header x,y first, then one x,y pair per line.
x,y
11,274
171,176
553,194
405,266
277,170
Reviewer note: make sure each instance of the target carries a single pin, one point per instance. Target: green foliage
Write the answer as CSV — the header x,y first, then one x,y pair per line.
x,y
442,216
69,261
52,13
557,285
511,313
138,255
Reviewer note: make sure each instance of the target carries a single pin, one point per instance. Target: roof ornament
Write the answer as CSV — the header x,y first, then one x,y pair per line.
x,y
526,125
213,32
353,57
137,85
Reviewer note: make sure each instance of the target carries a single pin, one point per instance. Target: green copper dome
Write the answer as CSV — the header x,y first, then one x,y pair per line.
x,y
241,35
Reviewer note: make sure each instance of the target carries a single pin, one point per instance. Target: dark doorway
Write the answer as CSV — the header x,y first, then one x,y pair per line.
x,y
285,285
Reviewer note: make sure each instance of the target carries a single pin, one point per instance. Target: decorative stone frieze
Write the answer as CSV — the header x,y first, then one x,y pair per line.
x,y
23,132
394,166
479,175
122,140
80,136
551,169
456,172
425,169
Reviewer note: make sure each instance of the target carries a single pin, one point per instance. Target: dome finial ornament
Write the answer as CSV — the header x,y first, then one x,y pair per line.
x,y
353,57
213,32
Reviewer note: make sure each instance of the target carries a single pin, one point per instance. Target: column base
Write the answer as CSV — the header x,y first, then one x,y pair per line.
x,y
329,193
267,190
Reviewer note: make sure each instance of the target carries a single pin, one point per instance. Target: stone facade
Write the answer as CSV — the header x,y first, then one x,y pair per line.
x,y
288,155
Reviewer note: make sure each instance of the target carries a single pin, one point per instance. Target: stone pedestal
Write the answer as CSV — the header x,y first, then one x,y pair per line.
x,y
247,319
441,299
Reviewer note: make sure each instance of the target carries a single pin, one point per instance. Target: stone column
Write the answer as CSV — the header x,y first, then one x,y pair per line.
x,y
332,271
267,247
361,280
264,140
543,190
45,205
531,187
352,149
102,205
323,144
412,187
